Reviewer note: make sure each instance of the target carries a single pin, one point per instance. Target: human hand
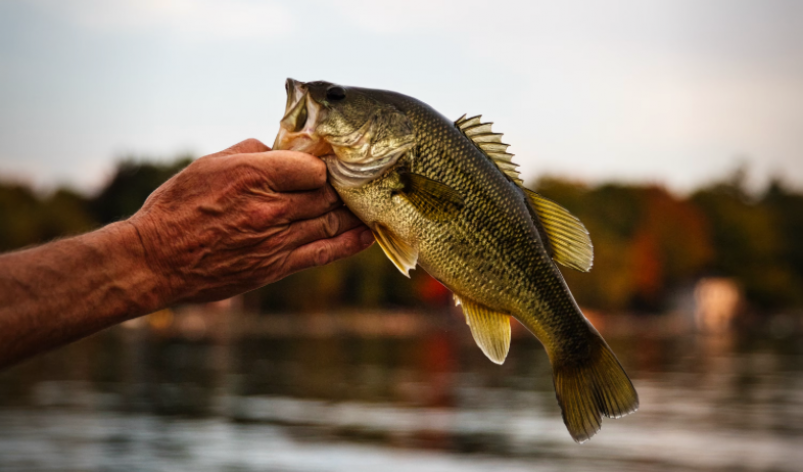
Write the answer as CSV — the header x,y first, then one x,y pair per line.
x,y
243,218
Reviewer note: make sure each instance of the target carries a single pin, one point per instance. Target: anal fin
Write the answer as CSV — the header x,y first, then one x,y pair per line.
x,y
402,254
490,329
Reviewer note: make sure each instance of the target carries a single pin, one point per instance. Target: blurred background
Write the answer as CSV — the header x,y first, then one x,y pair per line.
x,y
671,128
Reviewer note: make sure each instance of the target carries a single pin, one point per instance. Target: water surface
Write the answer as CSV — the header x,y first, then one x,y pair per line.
x,y
131,400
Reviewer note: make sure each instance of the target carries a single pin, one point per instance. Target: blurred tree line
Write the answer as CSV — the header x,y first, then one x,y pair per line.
x,y
648,243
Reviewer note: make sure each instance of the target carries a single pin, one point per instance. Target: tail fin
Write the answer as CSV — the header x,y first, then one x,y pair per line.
x,y
592,387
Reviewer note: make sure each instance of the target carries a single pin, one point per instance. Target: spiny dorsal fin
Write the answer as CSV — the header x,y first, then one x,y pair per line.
x,y
490,329
491,145
569,239
400,253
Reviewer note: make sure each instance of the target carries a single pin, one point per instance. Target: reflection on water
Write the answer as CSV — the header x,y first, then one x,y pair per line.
x,y
130,400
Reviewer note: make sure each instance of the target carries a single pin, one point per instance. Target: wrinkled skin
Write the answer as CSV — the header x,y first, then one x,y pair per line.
x,y
229,222
243,218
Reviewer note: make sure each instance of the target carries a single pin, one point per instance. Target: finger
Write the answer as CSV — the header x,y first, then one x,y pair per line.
x,y
288,171
324,251
327,226
248,146
266,209
306,205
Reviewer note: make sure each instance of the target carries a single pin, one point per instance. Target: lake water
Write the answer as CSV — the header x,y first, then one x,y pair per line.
x,y
133,400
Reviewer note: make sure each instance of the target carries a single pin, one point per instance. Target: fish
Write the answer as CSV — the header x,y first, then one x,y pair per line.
x,y
446,195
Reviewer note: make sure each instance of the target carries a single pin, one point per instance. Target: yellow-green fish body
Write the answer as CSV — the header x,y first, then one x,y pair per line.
x,y
488,251
445,195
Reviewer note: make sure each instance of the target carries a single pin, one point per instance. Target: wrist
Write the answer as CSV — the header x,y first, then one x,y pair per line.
x,y
141,285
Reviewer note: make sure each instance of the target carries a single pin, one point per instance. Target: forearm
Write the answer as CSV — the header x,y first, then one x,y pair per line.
x,y
62,291
230,222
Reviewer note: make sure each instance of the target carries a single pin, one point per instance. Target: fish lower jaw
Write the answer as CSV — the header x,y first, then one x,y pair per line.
x,y
297,130
302,142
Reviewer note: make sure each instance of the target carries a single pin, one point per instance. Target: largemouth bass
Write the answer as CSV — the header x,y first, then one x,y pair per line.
x,y
446,195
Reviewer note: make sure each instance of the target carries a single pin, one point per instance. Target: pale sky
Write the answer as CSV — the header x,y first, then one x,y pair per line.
x,y
672,92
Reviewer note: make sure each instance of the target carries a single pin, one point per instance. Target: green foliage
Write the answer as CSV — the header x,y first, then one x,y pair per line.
x,y
647,242
757,241
26,218
130,187
787,209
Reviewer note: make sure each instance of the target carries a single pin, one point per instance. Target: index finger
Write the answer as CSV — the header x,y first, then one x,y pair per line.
x,y
247,146
289,171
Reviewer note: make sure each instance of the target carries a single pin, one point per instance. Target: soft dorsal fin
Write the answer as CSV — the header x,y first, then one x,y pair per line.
x,y
568,238
401,254
491,145
490,328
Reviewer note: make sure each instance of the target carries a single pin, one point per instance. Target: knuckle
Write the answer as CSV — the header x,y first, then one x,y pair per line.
x,y
257,217
331,224
248,145
323,255
279,212
251,143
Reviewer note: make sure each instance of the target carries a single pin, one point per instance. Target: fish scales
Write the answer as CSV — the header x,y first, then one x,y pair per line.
x,y
492,250
434,198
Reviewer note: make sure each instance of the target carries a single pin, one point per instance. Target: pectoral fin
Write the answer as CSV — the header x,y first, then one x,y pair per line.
x,y
435,201
491,329
403,255
568,238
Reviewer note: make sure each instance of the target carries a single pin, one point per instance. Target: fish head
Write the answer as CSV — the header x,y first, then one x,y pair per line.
x,y
356,131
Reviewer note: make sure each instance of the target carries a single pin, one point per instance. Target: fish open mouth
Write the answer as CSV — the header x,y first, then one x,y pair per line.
x,y
297,130
357,149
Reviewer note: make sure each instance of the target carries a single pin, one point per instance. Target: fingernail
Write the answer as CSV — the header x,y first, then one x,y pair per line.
x,y
366,237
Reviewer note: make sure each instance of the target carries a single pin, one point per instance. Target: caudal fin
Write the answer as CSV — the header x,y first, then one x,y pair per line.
x,y
590,388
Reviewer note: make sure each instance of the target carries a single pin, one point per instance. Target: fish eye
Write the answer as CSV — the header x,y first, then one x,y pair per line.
x,y
335,92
